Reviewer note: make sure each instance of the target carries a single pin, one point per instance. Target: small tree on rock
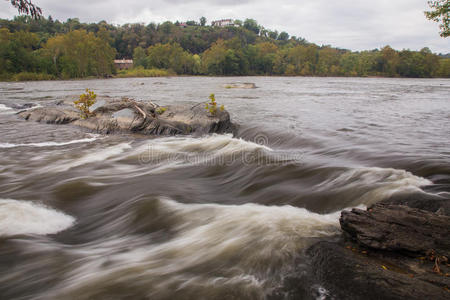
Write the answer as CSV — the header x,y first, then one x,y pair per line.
x,y
85,102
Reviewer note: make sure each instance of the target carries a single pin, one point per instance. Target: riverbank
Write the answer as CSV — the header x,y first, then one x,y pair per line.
x,y
150,73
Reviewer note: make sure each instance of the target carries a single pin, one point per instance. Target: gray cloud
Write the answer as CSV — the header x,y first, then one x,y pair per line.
x,y
350,24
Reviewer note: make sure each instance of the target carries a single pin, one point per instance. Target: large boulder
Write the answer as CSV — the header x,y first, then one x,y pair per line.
x,y
349,272
388,251
127,115
398,228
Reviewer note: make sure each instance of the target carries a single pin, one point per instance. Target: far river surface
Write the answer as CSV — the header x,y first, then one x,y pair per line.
x,y
89,216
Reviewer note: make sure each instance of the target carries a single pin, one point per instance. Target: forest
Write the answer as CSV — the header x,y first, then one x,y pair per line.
x,y
43,49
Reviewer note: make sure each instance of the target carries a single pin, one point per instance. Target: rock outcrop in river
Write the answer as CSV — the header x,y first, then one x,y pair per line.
x,y
388,251
240,85
131,116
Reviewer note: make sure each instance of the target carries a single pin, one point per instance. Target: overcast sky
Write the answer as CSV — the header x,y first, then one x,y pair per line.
x,y
350,24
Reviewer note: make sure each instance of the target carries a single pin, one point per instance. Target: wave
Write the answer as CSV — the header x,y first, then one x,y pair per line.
x,y
12,110
25,217
92,157
223,144
373,184
215,149
5,109
212,248
163,154
50,144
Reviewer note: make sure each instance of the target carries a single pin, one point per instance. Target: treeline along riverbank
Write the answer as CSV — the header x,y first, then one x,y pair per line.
x,y
48,49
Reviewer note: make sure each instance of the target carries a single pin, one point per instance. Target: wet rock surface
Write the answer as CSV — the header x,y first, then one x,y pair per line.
x,y
348,271
398,228
388,251
129,116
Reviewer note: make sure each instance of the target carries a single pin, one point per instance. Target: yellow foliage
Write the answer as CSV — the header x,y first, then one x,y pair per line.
x,y
84,102
160,110
211,107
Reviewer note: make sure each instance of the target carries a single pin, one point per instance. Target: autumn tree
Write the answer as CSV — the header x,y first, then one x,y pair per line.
x,y
389,61
80,54
213,59
73,49
170,56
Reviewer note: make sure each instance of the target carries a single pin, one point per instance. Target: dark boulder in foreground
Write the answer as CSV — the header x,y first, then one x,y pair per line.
x,y
131,116
349,272
387,252
398,228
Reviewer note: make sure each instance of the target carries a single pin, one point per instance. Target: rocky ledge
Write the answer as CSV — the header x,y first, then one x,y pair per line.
x,y
388,251
129,116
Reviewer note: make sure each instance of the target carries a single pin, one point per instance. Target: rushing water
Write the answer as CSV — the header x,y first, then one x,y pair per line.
x,y
88,216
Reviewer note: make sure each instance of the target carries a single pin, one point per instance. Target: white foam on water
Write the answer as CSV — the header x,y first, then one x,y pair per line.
x,y
25,217
175,152
5,109
94,156
239,244
222,143
383,183
50,144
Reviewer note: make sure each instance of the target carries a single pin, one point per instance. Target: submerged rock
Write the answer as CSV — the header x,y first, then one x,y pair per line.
x,y
127,115
240,85
23,106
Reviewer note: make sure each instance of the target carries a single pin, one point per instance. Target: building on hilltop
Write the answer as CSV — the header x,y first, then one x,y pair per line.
x,y
222,23
123,64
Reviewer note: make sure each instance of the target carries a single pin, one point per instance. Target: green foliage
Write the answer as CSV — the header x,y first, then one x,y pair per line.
x,y
139,57
172,57
73,49
251,25
30,76
141,72
85,102
440,12
80,54
444,68
211,106
284,36
224,59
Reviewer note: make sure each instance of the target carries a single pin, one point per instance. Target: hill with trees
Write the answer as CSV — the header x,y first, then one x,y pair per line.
x,y
49,49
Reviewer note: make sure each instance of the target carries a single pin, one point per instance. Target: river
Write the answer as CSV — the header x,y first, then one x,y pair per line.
x,y
89,216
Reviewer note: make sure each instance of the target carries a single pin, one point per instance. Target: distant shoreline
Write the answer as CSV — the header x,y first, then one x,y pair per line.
x,y
214,76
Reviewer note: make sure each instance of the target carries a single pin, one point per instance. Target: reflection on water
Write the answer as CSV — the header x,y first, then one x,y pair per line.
x,y
85,216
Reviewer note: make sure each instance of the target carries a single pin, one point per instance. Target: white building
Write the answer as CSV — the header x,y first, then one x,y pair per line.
x,y
222,23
